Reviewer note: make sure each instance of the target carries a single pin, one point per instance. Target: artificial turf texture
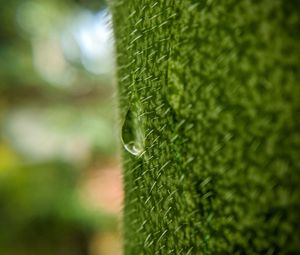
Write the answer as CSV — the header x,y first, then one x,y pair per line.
x,y
210,97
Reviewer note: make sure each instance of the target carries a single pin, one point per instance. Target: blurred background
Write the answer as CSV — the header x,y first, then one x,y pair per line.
x,y
60,181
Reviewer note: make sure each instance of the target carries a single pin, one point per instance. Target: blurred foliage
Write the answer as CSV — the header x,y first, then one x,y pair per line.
x,y
56,119
41,215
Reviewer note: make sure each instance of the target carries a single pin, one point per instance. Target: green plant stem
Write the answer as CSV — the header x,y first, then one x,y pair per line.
x,y
217,85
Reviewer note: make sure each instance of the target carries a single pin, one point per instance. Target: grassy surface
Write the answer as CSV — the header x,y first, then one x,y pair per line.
x,y
212,91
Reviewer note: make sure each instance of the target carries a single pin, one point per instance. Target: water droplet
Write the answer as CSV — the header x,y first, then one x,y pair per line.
x,y
133,148
132,132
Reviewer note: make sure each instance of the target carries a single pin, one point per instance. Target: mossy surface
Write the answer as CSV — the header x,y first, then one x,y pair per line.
x,y
217,88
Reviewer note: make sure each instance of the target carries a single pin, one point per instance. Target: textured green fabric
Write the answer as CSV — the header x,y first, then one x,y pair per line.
x,y
210,101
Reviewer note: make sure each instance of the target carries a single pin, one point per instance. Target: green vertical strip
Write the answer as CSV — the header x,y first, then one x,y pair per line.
x,y
213,94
